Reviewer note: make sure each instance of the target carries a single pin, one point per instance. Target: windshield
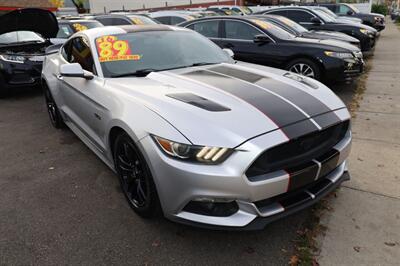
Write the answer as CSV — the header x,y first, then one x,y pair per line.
x,y
142,20
355,9
328,12
20,36
246,10
274,30
290,23
325,17
125,54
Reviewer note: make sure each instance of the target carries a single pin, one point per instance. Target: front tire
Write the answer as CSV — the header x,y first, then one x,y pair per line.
x,y
52,109
305,67
135,177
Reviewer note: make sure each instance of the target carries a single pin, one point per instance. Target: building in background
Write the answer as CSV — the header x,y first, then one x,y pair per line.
x,y
9,5
97,6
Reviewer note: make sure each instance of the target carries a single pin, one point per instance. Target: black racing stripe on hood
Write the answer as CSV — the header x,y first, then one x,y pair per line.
x,y
327,119
279,111
308,103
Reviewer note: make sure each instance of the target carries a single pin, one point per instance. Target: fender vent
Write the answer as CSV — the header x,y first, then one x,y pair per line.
x,y
198,101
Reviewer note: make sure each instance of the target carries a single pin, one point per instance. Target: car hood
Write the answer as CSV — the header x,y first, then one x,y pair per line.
x,y
227,104
31,19
333,35
335,45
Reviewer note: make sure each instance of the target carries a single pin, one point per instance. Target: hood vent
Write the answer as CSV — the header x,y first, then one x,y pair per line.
x,y
198,101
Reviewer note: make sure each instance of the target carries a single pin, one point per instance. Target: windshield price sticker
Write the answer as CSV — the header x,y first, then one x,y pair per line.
x,y
79,27
287,21
262,24
111,49
137,21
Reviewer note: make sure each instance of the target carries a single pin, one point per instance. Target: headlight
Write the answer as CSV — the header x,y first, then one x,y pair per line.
x,y
366,32
13,58
339,55
186,152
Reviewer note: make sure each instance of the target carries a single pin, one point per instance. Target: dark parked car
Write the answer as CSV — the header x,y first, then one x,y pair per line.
x,y
371,19
298,30
68,27
257,41
126,19
24,36
317,20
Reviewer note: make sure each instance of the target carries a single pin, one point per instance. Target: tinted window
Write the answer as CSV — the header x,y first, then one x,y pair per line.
x,y
164,20
66,51
80,53
176,20
278,12
208,28
113,21
299,16
240,30
343,9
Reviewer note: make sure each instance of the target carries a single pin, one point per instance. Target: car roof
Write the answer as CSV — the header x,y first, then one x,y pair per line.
x,y
113,30
76,20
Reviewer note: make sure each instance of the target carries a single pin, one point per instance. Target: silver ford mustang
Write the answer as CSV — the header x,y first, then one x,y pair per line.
x,y
191,133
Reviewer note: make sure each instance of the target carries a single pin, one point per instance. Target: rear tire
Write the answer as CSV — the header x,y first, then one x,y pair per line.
x,y
135,177
52,109
305,67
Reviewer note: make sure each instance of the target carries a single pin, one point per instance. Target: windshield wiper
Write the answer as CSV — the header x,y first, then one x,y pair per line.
x,y
146,71
137,73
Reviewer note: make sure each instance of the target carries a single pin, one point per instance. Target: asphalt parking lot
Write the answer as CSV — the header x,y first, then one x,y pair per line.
x,y
59,204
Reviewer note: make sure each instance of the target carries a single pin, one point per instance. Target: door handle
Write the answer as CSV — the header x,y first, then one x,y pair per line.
x,y
59,77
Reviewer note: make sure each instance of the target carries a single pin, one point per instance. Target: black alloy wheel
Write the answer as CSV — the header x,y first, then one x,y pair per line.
x,y
136,181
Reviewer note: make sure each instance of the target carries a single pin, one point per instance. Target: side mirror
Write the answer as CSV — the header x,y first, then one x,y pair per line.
x,y
229,52
316,21
74,70
350,13
261,39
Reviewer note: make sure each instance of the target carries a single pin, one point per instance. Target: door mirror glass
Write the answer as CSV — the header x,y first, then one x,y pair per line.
x,y
261,39
316,21
74,70
229,52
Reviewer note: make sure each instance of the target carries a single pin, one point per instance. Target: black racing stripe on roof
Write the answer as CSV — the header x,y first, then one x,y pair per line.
x,y
279,111
308,103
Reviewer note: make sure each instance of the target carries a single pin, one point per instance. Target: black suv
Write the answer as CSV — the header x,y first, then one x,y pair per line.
x,y
371,19
314,19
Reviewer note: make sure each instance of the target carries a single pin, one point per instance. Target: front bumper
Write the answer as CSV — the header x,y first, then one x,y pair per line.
x,y
259,200
339,70
21,74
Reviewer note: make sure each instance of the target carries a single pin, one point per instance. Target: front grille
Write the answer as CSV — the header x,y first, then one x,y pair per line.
x,y
298,151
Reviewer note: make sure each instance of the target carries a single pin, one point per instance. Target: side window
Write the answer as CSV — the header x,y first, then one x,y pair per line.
x,y
343,9
164,20
176,20
299,16
278,12
105,21
120,21
239,30
80,53
208,28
